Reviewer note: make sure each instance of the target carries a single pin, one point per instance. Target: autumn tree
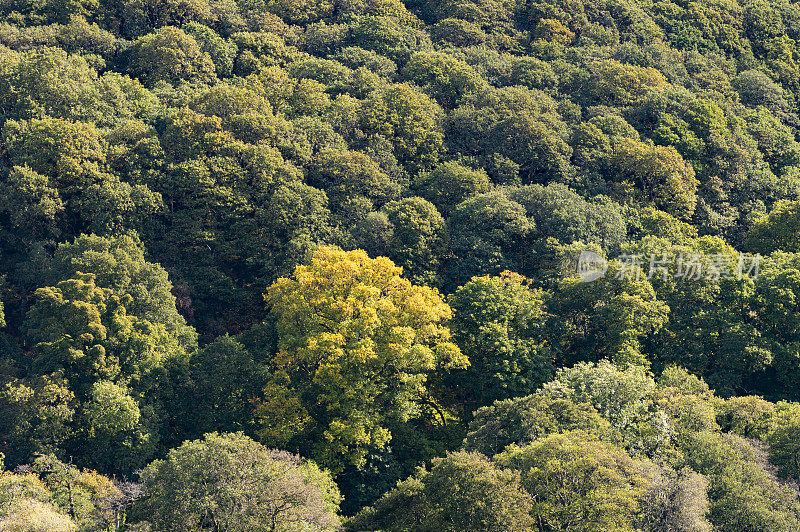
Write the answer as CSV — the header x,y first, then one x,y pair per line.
x,y
355,344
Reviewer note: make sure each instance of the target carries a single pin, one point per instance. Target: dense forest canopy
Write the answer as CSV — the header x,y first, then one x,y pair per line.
x,y
309,265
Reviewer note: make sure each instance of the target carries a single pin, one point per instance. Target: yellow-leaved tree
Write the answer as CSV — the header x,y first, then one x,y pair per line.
x,y
356,342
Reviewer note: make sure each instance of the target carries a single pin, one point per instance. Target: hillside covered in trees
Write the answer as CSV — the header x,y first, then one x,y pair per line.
x,y
318,265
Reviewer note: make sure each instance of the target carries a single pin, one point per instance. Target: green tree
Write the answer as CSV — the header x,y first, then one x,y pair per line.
x,y
463,491
660,175
560,213
537,142
225,381
776,231
118,263
488,233
408,120
32,204
353,182
627,399
784,445
222,52
25,505
756,89
578,483
109,360
774,299
677,501
450,183
743,495
229,481
37,416
534,417
605,318
90,499
726,346
31,515
49,82
418,241
168,54
69,153
613,83
71,156
139,17
498,324
112,422
442,77
301,12
750,416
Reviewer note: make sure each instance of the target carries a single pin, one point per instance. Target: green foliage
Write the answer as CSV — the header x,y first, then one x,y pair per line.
x,y
784,451
450,183
743,495
486,232
226,380
620,396
463,491
222,52
353,183
750,417
50,82
239,484
418,239
730,349
498,323
579,484
677,501
776,231
166,163
37,417
32,203
31,515
659,173
83,332
58,164
630,310
525,419
445,78
408,120
169,55
560,213
91,499
139,17
52,495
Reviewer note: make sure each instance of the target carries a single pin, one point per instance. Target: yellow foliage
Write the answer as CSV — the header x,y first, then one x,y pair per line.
x,y
356,342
